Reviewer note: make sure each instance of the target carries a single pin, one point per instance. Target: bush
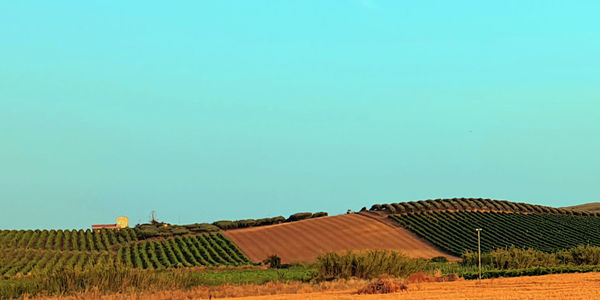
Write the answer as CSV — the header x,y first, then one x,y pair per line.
x,y
273,261
245,223
512,258
581,255
439,259
225,224
517,258
201,227
319,214
278,219
389,208
376,207
299,216
367,265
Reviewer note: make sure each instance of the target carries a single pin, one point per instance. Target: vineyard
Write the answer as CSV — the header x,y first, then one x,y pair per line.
x,y
40,252
454,232
75,240
473,204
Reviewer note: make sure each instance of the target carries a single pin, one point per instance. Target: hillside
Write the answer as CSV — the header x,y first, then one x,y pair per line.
x,y
43,251
305,240
589,207
426,228
454,232
473,204
450,224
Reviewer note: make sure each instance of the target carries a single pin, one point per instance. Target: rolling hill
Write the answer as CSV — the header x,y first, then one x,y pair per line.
x,y
425,228
450,224
42,251
303,241
590,207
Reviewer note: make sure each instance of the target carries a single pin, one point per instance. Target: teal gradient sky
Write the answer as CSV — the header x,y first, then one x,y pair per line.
x,y
207,110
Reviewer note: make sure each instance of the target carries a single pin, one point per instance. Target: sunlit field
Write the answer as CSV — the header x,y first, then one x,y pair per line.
x,y
559,286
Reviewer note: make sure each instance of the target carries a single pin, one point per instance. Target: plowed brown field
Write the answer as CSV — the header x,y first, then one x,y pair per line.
x,y
303,241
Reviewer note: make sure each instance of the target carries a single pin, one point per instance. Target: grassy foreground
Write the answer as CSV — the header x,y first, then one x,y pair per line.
x,y
120,279
113,279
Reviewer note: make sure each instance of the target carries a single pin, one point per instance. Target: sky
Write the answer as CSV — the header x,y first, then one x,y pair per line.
x,y
210,110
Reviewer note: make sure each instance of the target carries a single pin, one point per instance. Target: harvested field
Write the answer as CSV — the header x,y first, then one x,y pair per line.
x,y
303,241
559,286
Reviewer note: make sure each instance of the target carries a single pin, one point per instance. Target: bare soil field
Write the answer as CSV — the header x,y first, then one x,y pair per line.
x,y
303,241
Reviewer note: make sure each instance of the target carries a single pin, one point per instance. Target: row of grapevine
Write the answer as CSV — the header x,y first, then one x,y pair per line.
x,y
471,204
26,261
77,240
184,251
454,232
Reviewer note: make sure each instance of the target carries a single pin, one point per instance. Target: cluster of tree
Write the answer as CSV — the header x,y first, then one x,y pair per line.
x,y
160,229
473,204
534,271
227,224
524,258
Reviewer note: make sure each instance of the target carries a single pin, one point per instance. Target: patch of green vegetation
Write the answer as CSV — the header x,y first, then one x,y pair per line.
x,y
454,232
113,279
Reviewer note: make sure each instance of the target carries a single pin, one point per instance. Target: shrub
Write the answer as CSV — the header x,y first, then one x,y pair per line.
x,y
439,259
278,219
581,255
516,258
389,208
225,224
366,265
319,214
201,227
376,207
244,223
273,261
299,216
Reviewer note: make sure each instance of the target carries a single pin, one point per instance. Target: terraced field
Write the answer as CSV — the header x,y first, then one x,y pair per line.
x,y
303,241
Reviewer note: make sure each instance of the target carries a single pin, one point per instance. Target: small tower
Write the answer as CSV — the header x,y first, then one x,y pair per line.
x,y
122,222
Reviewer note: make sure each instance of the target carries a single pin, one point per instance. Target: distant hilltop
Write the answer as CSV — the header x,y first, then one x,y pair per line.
x,y
590,207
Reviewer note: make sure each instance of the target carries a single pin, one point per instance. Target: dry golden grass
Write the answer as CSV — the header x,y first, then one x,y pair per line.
x,y
561,286
224,291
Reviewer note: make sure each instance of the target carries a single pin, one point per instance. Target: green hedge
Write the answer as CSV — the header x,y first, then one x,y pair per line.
x,y
531,271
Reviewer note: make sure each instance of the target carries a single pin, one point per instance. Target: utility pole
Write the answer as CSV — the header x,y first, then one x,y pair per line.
x,y
479,249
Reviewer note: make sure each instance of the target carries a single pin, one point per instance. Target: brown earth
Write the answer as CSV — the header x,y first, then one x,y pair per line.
x,y
589,207
303,241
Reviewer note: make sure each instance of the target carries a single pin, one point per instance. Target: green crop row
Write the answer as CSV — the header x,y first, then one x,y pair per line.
x,y
471,204
454,232
531,271
73,240
185,251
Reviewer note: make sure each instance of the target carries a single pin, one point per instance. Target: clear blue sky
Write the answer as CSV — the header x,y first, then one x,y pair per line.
x,y
207,110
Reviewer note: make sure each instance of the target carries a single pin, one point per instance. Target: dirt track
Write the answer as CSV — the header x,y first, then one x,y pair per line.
x,y
303,241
